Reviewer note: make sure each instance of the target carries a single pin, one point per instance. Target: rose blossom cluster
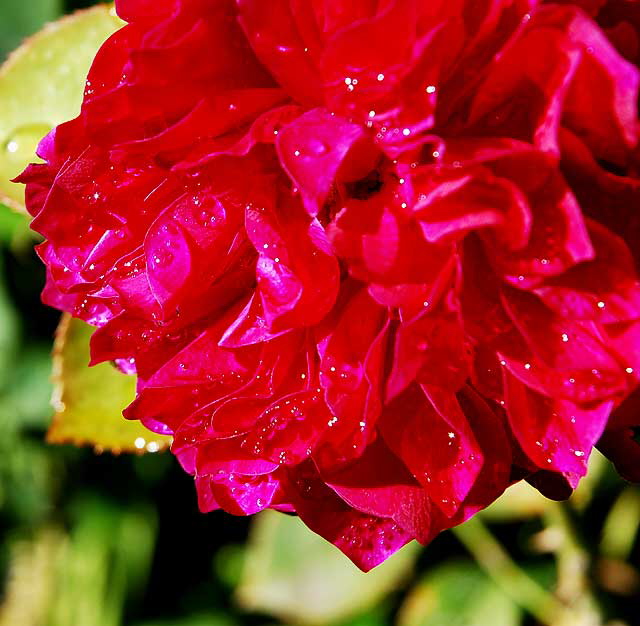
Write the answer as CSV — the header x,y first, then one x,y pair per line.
x,y
371,261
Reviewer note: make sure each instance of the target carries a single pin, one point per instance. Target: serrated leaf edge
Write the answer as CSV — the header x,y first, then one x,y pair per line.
x,y
58,403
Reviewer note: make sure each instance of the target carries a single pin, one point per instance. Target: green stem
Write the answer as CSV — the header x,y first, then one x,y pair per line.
x,y
572,558
501,568
573,564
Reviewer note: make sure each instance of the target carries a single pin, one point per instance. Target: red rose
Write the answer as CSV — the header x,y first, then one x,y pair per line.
x,y
372,262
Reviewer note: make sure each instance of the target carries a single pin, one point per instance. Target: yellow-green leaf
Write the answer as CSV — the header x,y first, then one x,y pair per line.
x,y
41,85
292,573
89,400
520,501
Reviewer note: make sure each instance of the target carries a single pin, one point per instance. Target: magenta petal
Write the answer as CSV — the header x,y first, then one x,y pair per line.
x,y
312,149
556,435
169,262
370,261
436,444
206,499
490,433
379,484
244,494
366,539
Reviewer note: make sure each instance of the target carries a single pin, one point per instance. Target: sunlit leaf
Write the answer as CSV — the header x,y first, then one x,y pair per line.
x,y
41,85
296,575
89,400
520,501
458,594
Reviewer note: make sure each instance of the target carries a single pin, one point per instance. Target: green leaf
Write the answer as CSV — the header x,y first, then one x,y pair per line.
x,y
26,400
89,400
107,556
82,577
16,22
621,525
458,594
26,484
292,573
9,332
41,85
14,229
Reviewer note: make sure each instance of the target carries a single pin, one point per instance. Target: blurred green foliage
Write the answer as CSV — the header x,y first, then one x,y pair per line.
x,y
19,19
103,540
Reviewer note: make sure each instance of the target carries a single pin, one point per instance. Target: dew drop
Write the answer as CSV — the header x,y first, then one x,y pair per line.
x,y
20,145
